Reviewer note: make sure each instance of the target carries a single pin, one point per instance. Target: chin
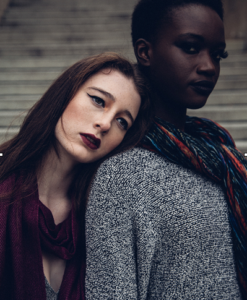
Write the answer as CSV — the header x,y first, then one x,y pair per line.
x,y
199,103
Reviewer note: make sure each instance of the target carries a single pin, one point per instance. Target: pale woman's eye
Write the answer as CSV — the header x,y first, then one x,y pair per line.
x,y
98,101
123,123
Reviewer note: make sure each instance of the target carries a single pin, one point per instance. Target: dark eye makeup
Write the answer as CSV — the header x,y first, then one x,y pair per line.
x,y
97,100
123,123
100,102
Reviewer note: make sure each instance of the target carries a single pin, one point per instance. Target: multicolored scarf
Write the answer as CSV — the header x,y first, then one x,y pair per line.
x,y
209,149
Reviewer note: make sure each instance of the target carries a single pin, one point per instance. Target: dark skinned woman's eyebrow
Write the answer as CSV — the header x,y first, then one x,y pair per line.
x,y
108,95
199,38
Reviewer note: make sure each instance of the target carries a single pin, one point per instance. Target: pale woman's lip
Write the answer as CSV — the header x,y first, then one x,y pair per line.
x,y
90,140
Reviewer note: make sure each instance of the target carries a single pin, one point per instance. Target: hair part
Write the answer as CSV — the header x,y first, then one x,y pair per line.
x,y
149,15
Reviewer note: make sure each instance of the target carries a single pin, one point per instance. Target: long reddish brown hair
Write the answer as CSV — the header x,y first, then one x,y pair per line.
x,y
23,154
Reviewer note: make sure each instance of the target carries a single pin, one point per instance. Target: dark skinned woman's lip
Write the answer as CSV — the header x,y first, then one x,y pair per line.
x,y
203,87
90,140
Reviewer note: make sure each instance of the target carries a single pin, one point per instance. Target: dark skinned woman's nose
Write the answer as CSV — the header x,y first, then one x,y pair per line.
x,y
207,65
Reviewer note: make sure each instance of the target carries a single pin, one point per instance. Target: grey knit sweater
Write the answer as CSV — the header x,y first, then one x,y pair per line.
x,y
156,230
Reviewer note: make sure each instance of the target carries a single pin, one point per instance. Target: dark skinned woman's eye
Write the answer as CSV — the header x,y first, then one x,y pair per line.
x,y
98,101
123,123
217,56
190,48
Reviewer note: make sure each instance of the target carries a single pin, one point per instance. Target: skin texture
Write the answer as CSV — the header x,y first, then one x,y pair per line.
x,y
187,50
94,112
100,115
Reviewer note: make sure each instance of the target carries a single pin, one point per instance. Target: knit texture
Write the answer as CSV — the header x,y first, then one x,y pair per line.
x,y
209,149
156,230
50,293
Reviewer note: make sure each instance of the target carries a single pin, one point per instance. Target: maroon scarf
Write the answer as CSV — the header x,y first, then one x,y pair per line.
x,y
26,226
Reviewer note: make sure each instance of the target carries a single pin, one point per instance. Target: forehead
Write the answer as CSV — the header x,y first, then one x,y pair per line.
x,y
121,89
109,77
195,19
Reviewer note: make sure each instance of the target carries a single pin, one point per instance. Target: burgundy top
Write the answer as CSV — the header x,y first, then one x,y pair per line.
x,y
27,226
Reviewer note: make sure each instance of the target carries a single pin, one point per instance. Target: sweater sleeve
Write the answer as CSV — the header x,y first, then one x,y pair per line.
x,y
119,233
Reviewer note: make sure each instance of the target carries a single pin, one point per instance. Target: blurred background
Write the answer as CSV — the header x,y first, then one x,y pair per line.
x,y
41,38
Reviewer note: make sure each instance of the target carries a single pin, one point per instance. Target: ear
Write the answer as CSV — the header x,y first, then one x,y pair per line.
x,y
143,52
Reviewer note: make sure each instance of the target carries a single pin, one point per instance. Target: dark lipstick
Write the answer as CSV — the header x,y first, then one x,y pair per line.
x,y
90,140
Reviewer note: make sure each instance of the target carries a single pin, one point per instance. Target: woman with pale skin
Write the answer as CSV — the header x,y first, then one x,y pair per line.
x,y
98,107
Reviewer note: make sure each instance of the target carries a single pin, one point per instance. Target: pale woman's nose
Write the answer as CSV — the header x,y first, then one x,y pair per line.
x,y
104,124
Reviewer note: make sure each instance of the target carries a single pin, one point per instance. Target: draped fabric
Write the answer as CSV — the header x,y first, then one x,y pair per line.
x,y
26,227
209,149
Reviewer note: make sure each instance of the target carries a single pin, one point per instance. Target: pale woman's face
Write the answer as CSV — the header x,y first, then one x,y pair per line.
x,y
98,117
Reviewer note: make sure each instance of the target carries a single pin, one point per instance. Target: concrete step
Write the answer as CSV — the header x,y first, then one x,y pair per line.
x,y
39,62
12,76
7,133
69,20
238,58
222,113
65,46
18,102
83,49
242,146
60,12
232,82
51,37
233,70
238,130
11,118
23,90
225,97
41,28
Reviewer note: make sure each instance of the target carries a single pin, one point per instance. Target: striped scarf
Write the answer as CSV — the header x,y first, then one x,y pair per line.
x,y
209,149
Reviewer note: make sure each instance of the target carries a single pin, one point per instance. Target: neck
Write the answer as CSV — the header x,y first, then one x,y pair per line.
x,y
168,112
54,178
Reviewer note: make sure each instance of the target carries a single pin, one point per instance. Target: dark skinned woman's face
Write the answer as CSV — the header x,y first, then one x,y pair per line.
x,y
185,59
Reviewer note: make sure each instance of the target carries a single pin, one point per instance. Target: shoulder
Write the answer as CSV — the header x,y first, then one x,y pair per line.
x,y
133,177
136,160
140,172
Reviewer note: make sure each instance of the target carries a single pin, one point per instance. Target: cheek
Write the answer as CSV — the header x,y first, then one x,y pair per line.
x,y
59,129
113,141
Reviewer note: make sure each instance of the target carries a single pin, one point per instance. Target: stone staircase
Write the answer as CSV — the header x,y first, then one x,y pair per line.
x,y
41,38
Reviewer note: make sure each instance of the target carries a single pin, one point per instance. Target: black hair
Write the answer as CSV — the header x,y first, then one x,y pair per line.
x,y
148,15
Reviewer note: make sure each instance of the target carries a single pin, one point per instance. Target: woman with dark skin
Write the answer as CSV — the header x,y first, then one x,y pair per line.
x,y
172,224
98,107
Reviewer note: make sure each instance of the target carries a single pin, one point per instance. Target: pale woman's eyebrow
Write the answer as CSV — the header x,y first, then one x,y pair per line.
x,y
129,115
108,95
